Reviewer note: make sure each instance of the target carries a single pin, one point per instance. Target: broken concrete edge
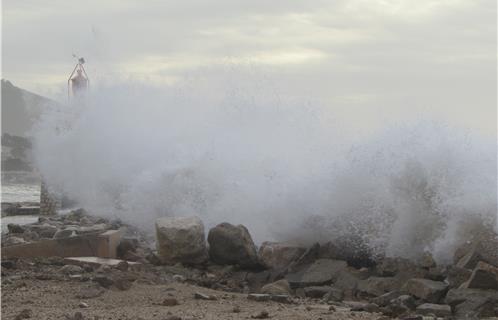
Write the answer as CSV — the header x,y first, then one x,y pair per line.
x,y
102,245
98,261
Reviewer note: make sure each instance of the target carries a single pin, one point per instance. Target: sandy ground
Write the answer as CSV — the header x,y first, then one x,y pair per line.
x,y
57,299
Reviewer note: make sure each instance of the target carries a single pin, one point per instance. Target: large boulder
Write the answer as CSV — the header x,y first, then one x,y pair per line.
x,y
348,281
384,299
457,275
277,287
482,248
472,303
317,291
377,286
279,255
181,240
43,230
321,272
425,289
229,244
484,276
439,310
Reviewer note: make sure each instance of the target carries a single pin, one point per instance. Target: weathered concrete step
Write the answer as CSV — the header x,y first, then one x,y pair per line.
x,y
97,261
99,245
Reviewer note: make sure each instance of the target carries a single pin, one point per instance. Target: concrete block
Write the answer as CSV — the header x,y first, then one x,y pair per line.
x,y
99,245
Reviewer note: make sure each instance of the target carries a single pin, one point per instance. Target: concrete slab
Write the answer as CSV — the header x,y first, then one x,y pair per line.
x,y
99,245
96,261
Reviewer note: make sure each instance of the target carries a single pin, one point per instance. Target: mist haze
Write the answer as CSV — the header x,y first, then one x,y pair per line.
x,y
375,119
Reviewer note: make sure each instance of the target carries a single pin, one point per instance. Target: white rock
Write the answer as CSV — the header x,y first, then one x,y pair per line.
x,y
181,240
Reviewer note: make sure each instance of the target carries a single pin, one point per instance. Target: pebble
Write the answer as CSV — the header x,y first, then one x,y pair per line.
x,y
83,305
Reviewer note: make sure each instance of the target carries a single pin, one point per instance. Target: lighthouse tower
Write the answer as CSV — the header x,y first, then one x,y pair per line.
x,y
77,87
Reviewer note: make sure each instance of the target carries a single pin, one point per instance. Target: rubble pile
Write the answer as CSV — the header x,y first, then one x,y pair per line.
x,y
286,273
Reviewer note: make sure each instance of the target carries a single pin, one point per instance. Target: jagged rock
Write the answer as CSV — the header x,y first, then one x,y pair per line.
x,y
322,271
71,269
12,241
425,289
308,257
92,229
457,275
437,273
15,228
427,261
76,215
229,244
277,287
384,299
125,246
153,258
279,255
405,300
256,280
400,305
439,310
377,286
469,260
361,306
482,248
103,280
66,233
181,240
317,291
349,247
347,281
484,276
402,269
44,230
30,236
334,294
472,303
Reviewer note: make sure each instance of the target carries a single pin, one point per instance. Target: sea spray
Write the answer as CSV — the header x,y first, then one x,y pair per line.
x,y
286,169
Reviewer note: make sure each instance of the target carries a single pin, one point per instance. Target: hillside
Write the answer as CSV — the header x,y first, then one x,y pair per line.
x,y
20,108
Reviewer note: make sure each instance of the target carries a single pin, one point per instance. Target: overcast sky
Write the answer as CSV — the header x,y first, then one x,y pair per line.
x,y
369,56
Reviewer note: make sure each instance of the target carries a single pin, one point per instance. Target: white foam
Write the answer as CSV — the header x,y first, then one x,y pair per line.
x,y
282,168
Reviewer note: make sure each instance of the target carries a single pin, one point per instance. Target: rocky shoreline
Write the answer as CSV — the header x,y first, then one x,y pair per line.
x,y
283,274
